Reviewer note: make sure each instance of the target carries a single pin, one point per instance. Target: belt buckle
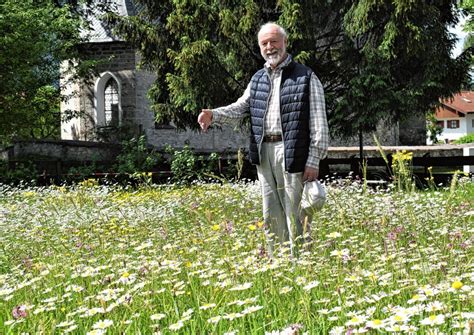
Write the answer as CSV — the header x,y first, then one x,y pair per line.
x,y
273,138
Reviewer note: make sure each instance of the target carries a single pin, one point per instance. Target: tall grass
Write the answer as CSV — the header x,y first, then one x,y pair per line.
x,y
97,259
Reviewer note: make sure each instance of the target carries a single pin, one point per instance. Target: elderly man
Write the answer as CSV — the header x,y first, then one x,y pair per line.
x,y
289,131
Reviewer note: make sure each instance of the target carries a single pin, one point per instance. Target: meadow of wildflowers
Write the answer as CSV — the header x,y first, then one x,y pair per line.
x,y
92,259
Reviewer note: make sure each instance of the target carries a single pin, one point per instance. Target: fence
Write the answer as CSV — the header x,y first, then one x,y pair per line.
x,y
340,161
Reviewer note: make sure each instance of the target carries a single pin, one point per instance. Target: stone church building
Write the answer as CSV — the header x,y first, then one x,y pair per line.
x,y
114,101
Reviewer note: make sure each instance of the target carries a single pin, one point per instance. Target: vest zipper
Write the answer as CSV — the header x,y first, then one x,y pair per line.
x,y
270,82
281,124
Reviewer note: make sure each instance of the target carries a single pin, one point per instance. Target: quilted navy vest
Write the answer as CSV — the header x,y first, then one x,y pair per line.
x,y
294,114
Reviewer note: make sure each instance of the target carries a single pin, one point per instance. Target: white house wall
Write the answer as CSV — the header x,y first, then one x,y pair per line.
x,y
451,134
470,123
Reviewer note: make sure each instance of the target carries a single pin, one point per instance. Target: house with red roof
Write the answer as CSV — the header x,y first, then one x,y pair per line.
x,y
456,116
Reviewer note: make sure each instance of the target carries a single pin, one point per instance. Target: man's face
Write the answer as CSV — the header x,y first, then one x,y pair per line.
x,y
272,45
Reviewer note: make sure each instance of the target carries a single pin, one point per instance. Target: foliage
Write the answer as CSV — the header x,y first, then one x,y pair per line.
x,y
469,41
83,171
191,260
45,114
433,128
378,60
468,7
430,181
400,165
22,172
36,36
186,166
406,63
89,183
469,138
116,133
136,157
402,169
239,166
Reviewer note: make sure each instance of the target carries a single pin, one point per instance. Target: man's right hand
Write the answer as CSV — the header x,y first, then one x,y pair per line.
x,y
205,119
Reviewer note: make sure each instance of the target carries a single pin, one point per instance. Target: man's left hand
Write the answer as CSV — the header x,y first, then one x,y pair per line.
x,y
310,174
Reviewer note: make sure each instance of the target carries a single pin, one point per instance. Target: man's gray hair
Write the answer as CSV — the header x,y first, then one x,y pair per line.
x,y
273,24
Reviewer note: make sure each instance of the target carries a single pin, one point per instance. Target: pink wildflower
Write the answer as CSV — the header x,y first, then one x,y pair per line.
x,y
19,312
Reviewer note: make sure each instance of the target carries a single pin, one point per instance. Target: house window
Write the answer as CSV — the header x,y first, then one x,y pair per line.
x,y
440,123
111,103
453,124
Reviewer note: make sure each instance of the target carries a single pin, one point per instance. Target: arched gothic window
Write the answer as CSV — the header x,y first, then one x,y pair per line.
x,y
111,103
107,105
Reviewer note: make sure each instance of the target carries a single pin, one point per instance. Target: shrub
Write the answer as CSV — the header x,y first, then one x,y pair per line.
x,y
469,138
83,171
136,156
22,172
186,166
434,130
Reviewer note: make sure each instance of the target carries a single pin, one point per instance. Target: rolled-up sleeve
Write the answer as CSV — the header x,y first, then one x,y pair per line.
x,y
318,125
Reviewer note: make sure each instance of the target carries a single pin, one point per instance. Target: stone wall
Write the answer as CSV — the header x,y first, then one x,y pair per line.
x,y
413,130
386,135
86,151
214,140
66,150
143,117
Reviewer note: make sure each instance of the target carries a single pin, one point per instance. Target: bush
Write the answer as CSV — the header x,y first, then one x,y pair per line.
x,y
469,138
186,166
22,172
83,171
434,130
136,157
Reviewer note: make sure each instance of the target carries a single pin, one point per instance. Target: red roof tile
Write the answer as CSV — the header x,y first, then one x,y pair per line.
x,y
459,105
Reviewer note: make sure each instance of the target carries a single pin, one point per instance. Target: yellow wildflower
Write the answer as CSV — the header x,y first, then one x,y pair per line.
x,y
457,285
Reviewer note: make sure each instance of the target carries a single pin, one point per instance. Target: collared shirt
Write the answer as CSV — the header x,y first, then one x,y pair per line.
x,y
272,123
318,126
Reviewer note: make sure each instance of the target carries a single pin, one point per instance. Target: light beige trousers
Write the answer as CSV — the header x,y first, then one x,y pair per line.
x,y
281,193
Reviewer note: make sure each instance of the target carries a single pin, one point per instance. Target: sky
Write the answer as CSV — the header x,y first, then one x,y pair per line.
x,y
461,36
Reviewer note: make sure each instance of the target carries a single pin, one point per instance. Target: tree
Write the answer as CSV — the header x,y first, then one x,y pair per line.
x,y
35,37
468,6
378,60
405,63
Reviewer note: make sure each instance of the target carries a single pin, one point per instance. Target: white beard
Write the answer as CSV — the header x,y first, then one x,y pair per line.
x,y
275,58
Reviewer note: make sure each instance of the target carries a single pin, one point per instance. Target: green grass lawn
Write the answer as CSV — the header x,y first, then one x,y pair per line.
x,y
192,260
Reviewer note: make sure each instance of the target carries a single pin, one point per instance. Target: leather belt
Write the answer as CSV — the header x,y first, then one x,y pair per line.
x,y
272,138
